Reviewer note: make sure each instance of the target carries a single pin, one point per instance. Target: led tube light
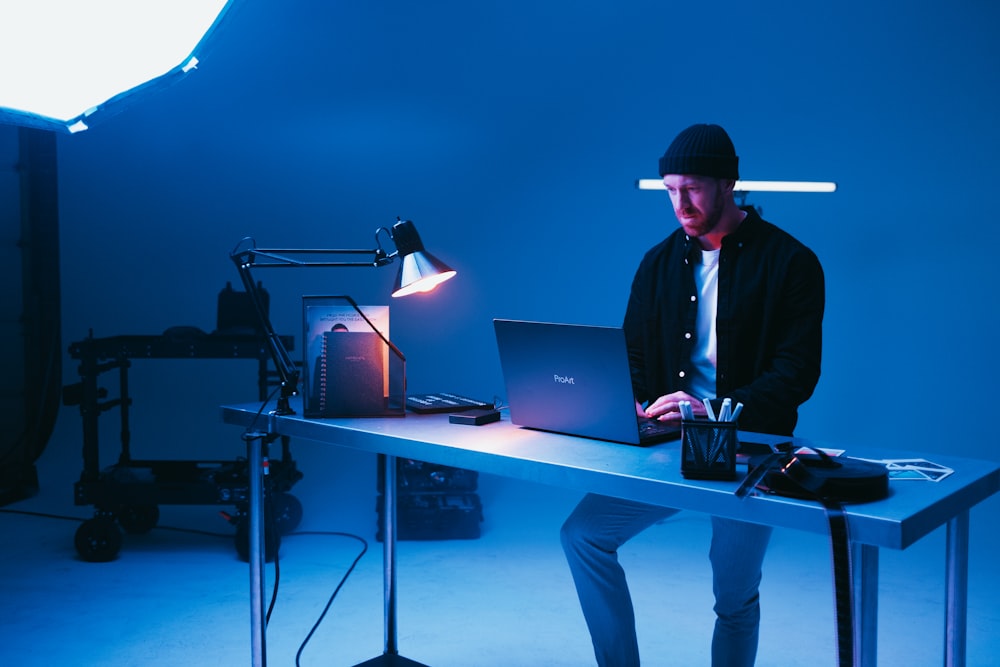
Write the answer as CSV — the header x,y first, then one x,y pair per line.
x,y
756,186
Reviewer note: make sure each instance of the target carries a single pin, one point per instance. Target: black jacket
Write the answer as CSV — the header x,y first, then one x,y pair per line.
x,y
769,326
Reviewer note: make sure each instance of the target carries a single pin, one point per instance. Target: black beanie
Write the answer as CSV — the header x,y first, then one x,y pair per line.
x,y
701,150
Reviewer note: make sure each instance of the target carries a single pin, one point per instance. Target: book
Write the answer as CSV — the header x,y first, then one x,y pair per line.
x,y
331,365
348,381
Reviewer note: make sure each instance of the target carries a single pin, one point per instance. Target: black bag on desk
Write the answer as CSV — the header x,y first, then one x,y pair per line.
x,y
819,476
832,481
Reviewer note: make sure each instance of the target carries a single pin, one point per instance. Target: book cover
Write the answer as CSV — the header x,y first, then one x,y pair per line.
x,y
348,378
324,315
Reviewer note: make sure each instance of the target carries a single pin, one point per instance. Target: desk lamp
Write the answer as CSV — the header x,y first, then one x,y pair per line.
x,y
419,271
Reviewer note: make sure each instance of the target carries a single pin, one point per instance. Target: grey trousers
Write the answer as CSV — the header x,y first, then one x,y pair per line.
x,y
591,536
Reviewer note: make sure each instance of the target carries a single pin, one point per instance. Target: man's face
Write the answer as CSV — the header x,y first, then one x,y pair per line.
x,y
697,201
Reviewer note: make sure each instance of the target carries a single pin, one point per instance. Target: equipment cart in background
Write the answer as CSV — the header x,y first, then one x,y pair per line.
x,y
126,496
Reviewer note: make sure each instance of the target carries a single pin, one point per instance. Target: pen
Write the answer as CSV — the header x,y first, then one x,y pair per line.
x,y
708,408
727,405
736,411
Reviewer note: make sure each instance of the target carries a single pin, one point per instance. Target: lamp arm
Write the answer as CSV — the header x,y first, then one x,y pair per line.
x,y
246,251
278,257
287,372
246,255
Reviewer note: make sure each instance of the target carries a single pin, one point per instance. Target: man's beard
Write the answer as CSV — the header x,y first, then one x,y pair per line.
x,y
709,220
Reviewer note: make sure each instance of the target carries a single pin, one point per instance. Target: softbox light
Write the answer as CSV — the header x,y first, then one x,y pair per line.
x,y
63,62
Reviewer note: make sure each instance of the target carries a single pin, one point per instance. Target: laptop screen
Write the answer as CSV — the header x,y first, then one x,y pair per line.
x,y
568,378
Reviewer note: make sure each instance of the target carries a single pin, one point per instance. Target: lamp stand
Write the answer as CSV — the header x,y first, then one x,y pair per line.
x,y
390,657
390,660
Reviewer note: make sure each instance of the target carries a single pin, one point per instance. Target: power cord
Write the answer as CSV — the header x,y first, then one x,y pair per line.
x,y
333,596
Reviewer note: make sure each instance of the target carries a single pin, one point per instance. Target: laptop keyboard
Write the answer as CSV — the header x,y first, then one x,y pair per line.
x,y
651,428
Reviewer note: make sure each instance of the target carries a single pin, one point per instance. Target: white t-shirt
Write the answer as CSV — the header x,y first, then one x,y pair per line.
x,y
704,354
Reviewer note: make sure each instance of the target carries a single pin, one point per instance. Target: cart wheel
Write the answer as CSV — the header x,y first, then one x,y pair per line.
x,y
137,519
287,512
98,540
272,540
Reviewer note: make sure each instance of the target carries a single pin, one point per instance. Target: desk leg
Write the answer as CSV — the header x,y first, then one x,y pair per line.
x,y
255,466
390,657
956,589
866,605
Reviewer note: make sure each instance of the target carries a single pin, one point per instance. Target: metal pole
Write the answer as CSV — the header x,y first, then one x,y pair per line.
x,y
389,553
255,465
956,589
390,656
866,604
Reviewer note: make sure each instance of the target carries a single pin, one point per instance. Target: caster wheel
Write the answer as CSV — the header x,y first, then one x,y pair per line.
x,y
98,540
138,519
287,512
272,540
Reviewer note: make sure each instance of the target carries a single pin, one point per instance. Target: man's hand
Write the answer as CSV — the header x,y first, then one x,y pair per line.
x,y
666,408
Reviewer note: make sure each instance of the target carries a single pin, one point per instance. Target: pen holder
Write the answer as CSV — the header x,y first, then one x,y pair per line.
x,y
708,450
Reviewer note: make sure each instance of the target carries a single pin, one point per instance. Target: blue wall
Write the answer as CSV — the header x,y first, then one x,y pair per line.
x,y
512,134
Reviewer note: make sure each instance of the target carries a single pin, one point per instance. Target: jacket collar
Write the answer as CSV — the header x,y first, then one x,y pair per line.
x,y
747,230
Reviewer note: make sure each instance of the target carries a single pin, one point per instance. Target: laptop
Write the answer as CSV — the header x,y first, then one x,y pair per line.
x,y
573,379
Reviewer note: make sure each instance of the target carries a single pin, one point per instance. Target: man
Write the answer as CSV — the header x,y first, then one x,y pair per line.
x,y
726,306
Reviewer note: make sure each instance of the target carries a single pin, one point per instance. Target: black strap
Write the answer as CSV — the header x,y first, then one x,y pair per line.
x,y
758,472
791,467
840,544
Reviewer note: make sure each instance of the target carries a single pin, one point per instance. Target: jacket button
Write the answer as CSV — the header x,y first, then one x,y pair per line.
x,y
681,374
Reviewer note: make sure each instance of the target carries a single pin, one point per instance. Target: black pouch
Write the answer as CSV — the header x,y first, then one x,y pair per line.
x,y
817,476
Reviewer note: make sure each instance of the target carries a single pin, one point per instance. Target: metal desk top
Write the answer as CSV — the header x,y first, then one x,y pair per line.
x,y
648,474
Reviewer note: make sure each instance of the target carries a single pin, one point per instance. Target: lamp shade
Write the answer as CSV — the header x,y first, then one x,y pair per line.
x,y
419,271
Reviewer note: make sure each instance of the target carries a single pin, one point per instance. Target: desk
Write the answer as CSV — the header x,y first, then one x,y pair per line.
x,y
652,475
